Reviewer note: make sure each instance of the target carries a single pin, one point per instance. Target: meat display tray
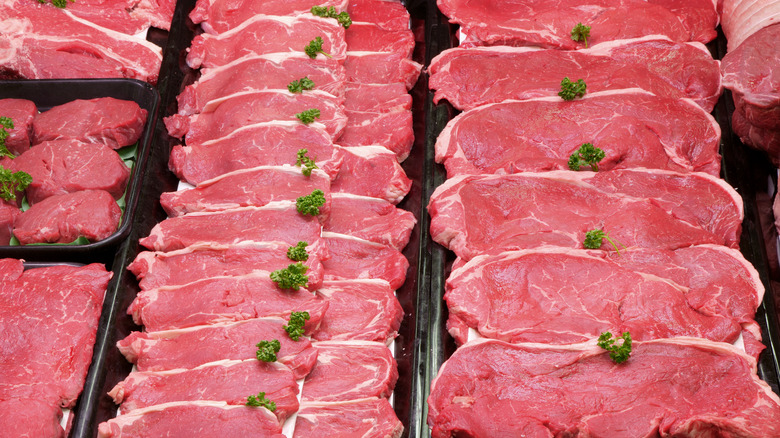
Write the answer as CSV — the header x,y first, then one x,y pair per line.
x,y
51,92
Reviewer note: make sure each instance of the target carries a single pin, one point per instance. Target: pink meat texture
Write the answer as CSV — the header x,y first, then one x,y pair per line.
x,y
387,14
381,68
219,16
743,18
8,214
31,417
350,419
377,98
352,258
391,130
371,37
371,219
371,171
21,112
127,16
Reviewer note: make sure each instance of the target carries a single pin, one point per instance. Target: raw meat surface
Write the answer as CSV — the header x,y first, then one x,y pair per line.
x,y
21,112
65,166
371,37
113,122
391,130
218,16
263,34
547,390
633,127
261,144
8,214
549,23
92,214
371,219
350,370
381,68
279,221
366,310
352,258
472,214
471,77
743,18
31,418
387,180
130,17
377,98
373,417
387,14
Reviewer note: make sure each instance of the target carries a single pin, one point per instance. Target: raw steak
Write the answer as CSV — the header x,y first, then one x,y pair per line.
x,y
273,71
366,310
371,37
350,370
371,219
8,214
223,116
38,41
92,214
542,390
471,77
549,23
130,17
113,122
743,18
263,34
381,68
391,130
387,14
31,418
387,180
472,214
199,261
373,417
65,166
195,420
21,112
565,296
255,187
352,258
279,221
50,317
230,381
760,138
190,347
218,16
377,98
633,127
222,299
261,144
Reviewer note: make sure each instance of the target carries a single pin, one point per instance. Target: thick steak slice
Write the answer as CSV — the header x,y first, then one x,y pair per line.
x,y
372,417
352,258
194,346
371,219
743,18
350,370
366,310
8,214
381,68
31,418
253,187
377,98
391,130
222,299
230,381
262,144
471,77
92,214
633,127
21,112
273,71
199,419
130,17
199,261
218,16
66,166
549,24
41,42
371,37
371,171
263,34
223,116
474,214
670,387
279,221
564,296
113,122
387,14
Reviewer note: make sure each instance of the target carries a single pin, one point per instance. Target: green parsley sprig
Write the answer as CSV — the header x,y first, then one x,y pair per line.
x,y
58,3
618,353
595,238
260,401
580,32
294,327
308,116
310,204
292,277
266,350
314,47
305,163
5,124
298,86
298,252
572,90
13,182
586,155
323,11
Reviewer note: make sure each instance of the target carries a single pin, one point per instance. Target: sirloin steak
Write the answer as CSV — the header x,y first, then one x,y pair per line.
x,y
371,417
352,258
218,16
368,218
371,171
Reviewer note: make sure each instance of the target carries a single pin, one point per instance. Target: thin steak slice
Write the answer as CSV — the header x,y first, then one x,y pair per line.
x,y
366,310
387,14
21,112
263,34
279,221
31,418
471,77
92,214
391,130
229,380
670,387
218,16
372,219
473,214
371,37
194,346
549,24
381,68
377,98
633,127
350,370
131,17
113,122
371,171
352,258
273,71
198,419
261,144
371,417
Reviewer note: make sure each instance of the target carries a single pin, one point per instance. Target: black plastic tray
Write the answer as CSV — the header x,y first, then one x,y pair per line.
x,y
51,92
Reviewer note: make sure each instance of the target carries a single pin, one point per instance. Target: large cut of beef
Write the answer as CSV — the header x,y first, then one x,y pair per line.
x,y
672,387
371,171
742,18
22,112
549,23
8,214
371,417
352,258
31,417
218,16
633,127
372,219
472,214
131,17
38,41
473,77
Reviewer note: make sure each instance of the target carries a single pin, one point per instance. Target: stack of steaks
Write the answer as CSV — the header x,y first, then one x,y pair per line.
x,y
532,290
210,287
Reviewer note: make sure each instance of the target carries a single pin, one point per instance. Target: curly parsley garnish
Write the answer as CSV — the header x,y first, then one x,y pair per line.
x,y
311,203
315,47
12,182
260,401
300,85
323,11
572,90
266,350
581,32
298,252
594,239
305,163
618,353
294,328
586,155
308,116
292,277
